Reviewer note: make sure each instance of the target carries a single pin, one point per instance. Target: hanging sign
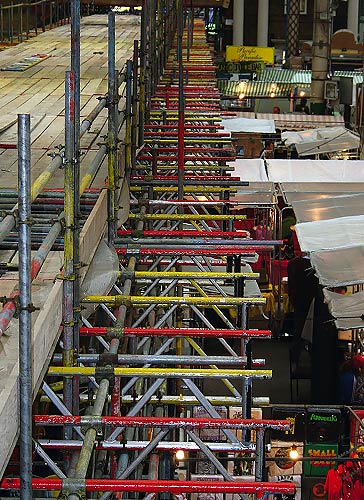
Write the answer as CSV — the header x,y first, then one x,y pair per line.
x,y
237,53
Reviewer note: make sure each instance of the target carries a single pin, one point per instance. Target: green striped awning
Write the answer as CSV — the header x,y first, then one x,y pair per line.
x,y
257,88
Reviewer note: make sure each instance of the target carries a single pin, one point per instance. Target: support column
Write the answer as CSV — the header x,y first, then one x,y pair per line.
x,y
262,24
293,28
353,16
320,53
238,26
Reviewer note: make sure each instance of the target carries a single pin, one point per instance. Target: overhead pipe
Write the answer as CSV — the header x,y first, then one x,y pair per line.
x,y
25,334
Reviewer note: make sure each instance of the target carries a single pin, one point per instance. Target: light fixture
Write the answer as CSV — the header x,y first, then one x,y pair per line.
x,y
180,455
272,95
293,452
241,96
302,93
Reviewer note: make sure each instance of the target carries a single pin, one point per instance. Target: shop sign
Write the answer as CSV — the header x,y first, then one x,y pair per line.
x,y
237,53
315,464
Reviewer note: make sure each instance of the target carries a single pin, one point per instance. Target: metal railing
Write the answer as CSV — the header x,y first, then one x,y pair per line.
x,y
18,21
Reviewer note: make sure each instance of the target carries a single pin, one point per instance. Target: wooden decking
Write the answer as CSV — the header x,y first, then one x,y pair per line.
x,y
39,91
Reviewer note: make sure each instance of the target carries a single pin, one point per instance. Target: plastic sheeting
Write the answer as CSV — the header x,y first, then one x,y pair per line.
x,y
101,274
347,310
316,171
249,125
252,170
328,208
322,140
333,233
342,266
296,191
258,193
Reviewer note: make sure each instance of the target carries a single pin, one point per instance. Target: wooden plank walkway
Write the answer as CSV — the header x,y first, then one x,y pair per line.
x,y
39,91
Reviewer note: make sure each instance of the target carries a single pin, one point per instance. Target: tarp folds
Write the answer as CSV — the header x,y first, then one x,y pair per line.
x,y
348,310
342,266
333,233
316,171
322,140
252,170
328,208
258,193
250,125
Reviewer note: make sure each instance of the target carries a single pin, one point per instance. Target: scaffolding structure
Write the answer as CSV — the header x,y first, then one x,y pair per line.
x,y
128,384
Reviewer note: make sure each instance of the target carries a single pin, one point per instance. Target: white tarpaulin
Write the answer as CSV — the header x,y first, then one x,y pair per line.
x,y
322,140
256,193
297,191
316,171
328,208
249,170
343,266
333,233
249,125
347,310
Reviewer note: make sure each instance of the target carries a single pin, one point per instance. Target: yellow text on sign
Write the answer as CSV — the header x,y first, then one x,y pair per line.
x,y
236,53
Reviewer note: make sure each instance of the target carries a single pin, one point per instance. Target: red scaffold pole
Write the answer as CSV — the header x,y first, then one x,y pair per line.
x,y
157,486
178,332
181,423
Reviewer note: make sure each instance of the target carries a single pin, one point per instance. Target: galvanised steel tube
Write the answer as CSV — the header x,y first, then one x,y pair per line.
x,y
69,207
134,117
102,393
136,359
128,118
25,336
174,332
112,133
142,93
9,308
158,486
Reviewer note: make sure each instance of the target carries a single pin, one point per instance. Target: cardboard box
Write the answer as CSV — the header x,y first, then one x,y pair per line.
x,y
230,496
296,479
210,434
283,465
207,496
235,412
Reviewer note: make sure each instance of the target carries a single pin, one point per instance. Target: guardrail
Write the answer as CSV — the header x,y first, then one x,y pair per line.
x,y
19,20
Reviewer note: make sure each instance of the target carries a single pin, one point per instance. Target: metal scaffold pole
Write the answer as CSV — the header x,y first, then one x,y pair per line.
x,y
25,336
69,217
76,68
112,136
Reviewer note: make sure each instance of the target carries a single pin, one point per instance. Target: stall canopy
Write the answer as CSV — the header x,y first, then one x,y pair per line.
x,y
322,140
333,233
249,125
260,189
347,310
328,208
341,266
323,171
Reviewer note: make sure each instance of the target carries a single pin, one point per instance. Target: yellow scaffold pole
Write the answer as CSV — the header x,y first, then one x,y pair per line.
x,y
69,371
130,300
191,275
144,217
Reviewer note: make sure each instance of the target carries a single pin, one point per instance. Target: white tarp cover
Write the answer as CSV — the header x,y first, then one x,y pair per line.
x,y
322,140
329,208
255,193
297,191
249,125
252,170
333,233
342,266
315,171
346,309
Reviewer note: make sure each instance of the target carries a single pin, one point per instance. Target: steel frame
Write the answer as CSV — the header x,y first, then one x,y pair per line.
x,y
164,175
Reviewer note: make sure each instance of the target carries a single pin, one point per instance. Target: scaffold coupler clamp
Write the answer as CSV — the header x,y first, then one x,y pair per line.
x,y
73,486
